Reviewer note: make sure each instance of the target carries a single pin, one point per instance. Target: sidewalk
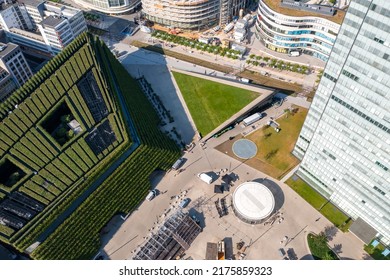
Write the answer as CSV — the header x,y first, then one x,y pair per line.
x,y
289,174
239,65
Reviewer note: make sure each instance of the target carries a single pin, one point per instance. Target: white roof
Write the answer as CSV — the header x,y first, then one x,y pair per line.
x,y
253,117
253,201
73,124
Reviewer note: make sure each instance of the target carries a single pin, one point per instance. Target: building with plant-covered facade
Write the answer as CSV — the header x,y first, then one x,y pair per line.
x,y
191,14
282,28
78,142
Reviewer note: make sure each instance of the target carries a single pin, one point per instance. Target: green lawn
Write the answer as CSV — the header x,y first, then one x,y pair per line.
x,y
319,248
211,103
338,218
274,148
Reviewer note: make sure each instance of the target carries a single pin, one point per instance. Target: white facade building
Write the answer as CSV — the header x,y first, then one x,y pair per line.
x,y
14,69
110,6
60,25
279,30
344,143
41,26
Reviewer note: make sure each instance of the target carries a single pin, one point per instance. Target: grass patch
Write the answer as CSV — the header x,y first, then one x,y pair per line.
x,y
376,252
274,149
319,247
211,103
332,213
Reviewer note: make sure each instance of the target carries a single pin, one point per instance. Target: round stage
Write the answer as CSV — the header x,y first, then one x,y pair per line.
x,y
244,149
253,202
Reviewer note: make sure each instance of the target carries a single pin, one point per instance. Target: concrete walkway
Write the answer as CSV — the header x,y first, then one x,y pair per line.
x,y
289,174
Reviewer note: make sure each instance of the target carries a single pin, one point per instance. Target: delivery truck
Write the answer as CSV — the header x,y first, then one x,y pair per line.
x,y
253,118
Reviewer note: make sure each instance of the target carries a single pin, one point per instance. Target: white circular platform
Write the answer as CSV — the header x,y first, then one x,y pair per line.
x,y
253,202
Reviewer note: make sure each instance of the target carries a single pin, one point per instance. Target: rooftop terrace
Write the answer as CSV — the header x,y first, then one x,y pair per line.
x,y
275,6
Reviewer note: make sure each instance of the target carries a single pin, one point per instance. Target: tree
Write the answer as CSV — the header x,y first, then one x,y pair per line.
x,y
330,232
70,134
66,119
322,238
61,132
267,135
13,178
271,154
327,256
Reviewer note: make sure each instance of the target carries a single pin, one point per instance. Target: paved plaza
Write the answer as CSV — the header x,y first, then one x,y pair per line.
x,y
294,218
297,217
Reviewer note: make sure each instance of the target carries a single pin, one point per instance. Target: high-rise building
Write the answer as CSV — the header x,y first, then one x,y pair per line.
x,y
41,26
60,25
345,140
14,69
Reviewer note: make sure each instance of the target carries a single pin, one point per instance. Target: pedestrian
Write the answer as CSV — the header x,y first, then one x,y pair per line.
x,y
318,219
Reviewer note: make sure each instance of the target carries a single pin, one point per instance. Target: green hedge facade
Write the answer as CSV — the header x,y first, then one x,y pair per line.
x,y
57,175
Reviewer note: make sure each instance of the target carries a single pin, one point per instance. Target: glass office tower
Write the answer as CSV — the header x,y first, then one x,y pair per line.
x,y
344,144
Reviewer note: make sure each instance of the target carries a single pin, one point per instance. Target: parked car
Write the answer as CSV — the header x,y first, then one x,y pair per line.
x,y
281,252
184,203
178,163
152,194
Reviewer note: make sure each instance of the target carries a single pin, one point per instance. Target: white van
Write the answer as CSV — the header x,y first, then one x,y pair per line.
x,y
244,80
294,53
205,178
178,164
152,194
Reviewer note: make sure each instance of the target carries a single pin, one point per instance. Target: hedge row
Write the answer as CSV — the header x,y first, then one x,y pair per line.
x,y
78,236
22,93
52,170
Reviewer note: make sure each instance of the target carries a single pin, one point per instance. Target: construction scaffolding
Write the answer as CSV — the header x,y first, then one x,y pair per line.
x,y
225,16
229,9
191,14
171,240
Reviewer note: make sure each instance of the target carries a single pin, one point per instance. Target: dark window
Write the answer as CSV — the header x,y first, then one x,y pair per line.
x,y
378,40
333,79
350,75
381,165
